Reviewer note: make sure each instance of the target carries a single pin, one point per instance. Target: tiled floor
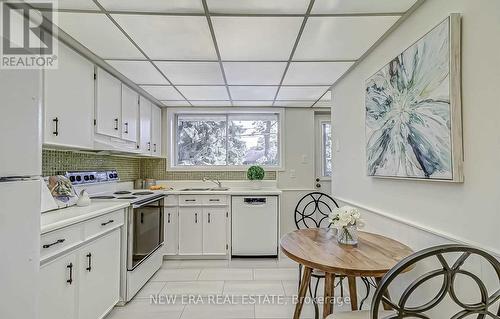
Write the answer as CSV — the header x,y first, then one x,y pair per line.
x,y
272,284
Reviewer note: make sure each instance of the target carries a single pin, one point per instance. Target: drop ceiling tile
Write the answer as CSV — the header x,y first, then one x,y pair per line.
x,y
301,93
253,103
98,34
140,72
192,72
258,6
256,38
331,38
211,103
175,103
170,37
76,5
294,103
214,93
254,72
317,73
163,92
184,6
361,6
253,92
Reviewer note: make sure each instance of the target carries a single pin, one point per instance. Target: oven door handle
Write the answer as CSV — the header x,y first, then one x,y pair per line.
x,y
148,202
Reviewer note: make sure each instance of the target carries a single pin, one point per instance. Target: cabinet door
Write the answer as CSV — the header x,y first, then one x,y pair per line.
x,y
99,274
69,101
214,231
171,230
145,125
108,108
57,293
190,231
155,131
130,114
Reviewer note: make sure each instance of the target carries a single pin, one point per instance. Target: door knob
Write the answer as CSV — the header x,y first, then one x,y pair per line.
x,y
318,185
317,179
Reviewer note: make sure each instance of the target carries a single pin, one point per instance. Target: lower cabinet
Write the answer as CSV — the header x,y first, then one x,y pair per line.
x,y
190,231
171,231
84,283
214,231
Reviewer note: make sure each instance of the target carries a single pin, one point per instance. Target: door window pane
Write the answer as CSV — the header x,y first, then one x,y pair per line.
x,y
326,130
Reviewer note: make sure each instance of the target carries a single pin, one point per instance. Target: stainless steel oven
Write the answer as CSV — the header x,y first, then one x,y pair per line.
x,y
145,230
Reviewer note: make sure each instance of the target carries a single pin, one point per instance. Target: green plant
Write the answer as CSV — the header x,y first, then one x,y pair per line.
x,y
255,173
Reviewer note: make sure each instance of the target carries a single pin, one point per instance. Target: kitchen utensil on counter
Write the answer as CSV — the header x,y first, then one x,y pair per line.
x,y
61,190
139,184
148,182
83,199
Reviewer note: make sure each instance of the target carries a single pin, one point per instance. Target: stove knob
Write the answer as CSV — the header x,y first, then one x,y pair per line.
x,y
115,175
71,179
110,175
78,178
92,177
86,177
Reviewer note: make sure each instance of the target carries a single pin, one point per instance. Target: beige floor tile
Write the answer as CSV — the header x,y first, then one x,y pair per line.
x,y
226,274
225,311
143,309
284,311
257,288
176,274
275,274
169,264
201,288
253,263
151,288
204,264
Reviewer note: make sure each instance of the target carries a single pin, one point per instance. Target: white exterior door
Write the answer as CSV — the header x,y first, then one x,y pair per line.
x,y
69,101
108,108
214,231
155,130
130,114
190,230
57,292
171,230
323,153
99,276
145,125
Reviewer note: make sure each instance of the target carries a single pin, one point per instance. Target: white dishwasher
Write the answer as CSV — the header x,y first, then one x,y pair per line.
x,y
254,230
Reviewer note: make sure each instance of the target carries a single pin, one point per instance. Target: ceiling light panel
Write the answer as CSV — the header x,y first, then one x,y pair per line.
x,y
184,6
211,103
163,92
258,6
98,34
253,103
175,103
214,93
170,37
140,72
315,73
75,5
341,38
238,73
294,103
361,6
192,72
256,38
301,93
253,92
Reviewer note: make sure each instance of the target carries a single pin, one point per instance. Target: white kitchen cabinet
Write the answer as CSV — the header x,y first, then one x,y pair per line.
x,y
190,231
145,126
171,230
58,286
69,101
214,231
99,276
130,114
155,130
108,104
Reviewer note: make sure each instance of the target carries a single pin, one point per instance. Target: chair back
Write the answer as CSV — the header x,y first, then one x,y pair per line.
x,y
313,209
482,308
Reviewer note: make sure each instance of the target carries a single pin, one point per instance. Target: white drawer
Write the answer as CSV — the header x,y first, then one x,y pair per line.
x,y
59,240
171,200
190,200
215,200
103,223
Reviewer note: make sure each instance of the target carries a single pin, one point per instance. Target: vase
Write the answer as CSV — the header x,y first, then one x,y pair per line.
x,y
348,235
256,184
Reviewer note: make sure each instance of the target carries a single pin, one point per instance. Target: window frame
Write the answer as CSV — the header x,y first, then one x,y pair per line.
x,y
320,146
171,130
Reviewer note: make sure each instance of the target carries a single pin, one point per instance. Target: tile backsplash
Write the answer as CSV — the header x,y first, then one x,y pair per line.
x,y
130,168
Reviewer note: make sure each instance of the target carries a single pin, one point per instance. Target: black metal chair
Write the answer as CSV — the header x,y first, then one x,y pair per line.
x,y
312,211
483,308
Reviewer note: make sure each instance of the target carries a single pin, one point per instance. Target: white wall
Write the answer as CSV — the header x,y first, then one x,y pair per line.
x,y
468,212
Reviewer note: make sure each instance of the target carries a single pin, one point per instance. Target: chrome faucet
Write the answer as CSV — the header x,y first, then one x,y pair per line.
x,y
215,181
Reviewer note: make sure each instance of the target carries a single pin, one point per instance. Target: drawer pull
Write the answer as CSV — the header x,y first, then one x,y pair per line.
x,y
89,257
190,200
70,267
196,218
214,200
209,218
168,218
59,241
108,222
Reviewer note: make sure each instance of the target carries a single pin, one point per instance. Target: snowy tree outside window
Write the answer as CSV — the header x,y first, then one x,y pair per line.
x,y
227,139
326,129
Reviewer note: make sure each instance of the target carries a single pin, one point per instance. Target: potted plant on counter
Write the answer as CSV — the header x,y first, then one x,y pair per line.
x,y
256,174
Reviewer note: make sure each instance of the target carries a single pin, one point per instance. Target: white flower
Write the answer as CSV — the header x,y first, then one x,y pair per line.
x,y
345,216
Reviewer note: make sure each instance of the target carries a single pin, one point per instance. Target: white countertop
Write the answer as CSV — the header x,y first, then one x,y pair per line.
x,y
71,215
230,191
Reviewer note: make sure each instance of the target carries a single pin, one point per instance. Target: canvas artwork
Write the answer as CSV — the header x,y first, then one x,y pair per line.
x,y
413,111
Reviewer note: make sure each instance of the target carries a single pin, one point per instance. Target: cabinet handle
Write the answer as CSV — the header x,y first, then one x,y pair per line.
x,y
108,222
126,128
142,218
89,268
190,200
154,147
209,218
196,218
56,128
70,267
168,218
214,200
116,124
149,146
59,241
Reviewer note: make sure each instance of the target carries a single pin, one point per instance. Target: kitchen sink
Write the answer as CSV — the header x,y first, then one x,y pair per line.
x,y
221,189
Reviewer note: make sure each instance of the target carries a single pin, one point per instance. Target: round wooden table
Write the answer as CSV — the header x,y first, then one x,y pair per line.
x,y
317,248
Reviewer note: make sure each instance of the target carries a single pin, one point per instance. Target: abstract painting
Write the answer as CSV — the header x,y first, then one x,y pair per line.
x,y
413,110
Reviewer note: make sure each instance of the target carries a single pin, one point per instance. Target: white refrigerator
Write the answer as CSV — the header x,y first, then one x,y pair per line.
x,y
20,182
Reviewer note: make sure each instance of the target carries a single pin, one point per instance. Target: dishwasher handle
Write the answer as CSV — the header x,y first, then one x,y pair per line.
x,y
255,200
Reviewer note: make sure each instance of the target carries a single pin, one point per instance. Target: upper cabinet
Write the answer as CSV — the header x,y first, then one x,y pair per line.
x,y
145,125
69,101
130,114
155,131
108,104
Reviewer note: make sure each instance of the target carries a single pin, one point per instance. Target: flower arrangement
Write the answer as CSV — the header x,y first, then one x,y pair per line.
x,y
346,220
255,173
